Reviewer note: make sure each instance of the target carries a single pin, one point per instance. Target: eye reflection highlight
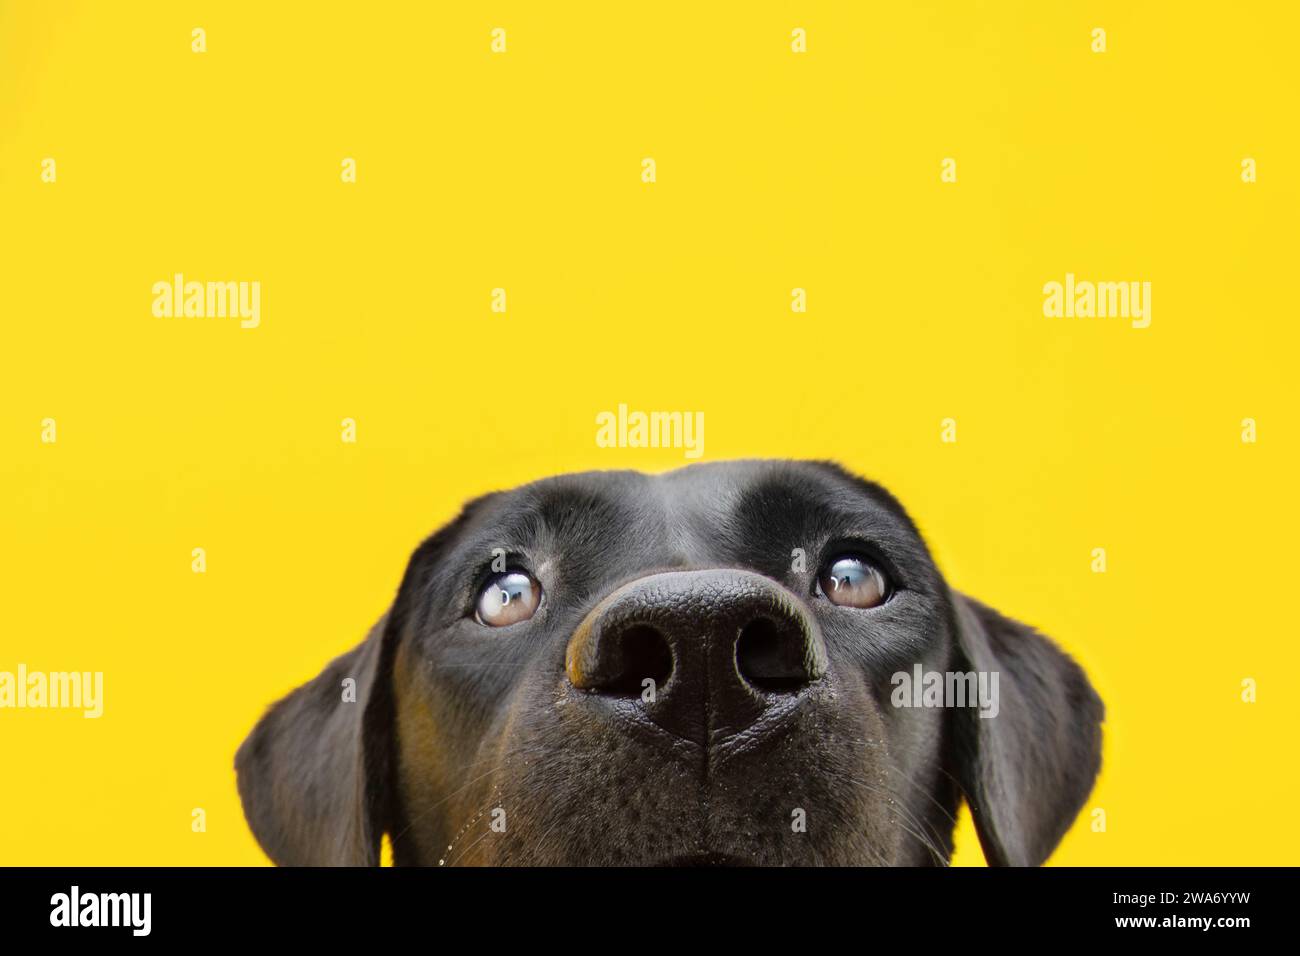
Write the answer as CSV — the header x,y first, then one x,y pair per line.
x,y
851,581
508,599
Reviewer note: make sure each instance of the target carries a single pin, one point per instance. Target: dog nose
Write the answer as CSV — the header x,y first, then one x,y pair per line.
x,y
706,653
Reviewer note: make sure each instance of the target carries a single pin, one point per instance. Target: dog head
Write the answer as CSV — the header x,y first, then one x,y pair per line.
x,y
715,665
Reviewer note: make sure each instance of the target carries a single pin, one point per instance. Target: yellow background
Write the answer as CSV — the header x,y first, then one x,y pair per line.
x,y
522,171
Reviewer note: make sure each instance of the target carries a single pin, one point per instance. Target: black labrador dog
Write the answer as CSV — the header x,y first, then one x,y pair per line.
x,y
719,665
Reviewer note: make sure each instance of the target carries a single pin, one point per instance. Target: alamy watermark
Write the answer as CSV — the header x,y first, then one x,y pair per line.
x,y
61,690
1081,299
178,298
624,429
922,688
130,910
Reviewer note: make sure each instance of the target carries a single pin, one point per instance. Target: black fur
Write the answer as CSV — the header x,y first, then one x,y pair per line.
x,y
456,725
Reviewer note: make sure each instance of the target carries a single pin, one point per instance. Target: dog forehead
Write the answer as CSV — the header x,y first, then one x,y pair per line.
x,y
729,480
687,507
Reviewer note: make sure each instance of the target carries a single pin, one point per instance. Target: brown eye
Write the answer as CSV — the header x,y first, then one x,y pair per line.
x,y
852,582
508,599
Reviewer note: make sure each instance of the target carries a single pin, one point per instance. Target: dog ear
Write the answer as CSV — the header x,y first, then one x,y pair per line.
x,y
316,775
312,774
1027,771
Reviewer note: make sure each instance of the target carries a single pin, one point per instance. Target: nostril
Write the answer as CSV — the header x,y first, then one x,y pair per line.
x,y
643,653
772,657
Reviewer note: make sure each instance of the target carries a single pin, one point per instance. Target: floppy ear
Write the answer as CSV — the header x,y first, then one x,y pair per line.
x,y
316,774
313,773
1027,771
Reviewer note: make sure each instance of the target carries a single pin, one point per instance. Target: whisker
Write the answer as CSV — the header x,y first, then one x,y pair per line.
x,y
465,851
926,793
910,824
504,759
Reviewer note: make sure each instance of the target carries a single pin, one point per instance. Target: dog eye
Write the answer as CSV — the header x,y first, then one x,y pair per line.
x,y
853,582
508,599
